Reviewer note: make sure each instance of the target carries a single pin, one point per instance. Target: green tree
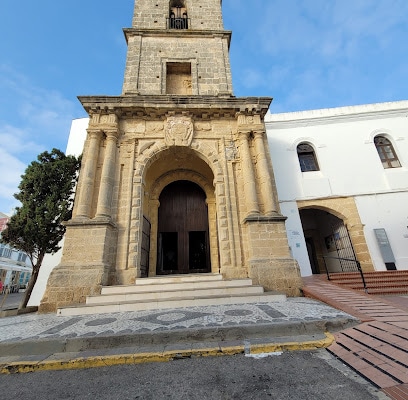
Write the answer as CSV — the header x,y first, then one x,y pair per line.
x,y
46,195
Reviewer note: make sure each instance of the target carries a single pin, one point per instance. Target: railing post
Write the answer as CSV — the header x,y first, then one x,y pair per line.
x,y
325,267
362,276
347,259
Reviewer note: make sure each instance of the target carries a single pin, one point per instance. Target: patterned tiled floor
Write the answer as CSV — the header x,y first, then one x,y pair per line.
x,y
377,348
37,326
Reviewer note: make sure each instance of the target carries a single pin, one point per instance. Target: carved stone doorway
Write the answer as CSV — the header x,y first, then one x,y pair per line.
x,y
183,240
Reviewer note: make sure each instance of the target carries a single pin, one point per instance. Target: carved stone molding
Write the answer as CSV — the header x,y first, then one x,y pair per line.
x,y
178,131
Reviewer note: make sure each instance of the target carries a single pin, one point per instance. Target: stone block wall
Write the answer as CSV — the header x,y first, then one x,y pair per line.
x,y
148,56
203,14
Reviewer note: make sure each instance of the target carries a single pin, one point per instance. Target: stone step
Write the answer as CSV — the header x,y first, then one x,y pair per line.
x,y
178,279
172,303
160,285
169,292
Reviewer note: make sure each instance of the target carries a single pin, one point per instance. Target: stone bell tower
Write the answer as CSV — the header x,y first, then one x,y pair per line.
x,y
176,175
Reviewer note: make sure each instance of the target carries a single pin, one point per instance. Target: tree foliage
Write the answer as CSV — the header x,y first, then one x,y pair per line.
x,y
46,196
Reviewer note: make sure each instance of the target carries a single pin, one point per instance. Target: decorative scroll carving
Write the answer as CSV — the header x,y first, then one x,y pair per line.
x,y
178,131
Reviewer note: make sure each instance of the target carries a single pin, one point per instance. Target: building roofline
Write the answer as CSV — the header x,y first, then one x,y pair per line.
x,y
338,113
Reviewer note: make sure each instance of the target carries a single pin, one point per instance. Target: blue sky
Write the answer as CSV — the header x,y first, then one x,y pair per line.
x,y
307,54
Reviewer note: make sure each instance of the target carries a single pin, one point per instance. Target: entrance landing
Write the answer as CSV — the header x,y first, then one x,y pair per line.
x,y
175,291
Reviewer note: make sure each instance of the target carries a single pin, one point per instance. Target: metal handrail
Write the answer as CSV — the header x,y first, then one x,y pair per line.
x,y
348,259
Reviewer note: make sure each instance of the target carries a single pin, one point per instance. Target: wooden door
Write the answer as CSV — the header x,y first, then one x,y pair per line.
x,y
183,245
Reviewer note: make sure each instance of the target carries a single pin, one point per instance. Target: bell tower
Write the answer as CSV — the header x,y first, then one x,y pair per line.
x,y
176,175
178,47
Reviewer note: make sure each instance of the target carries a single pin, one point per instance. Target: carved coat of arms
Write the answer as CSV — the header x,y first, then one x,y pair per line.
x,y
178,131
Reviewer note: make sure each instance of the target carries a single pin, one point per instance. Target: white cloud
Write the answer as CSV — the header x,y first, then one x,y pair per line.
x,y
32,120
317,54
11,170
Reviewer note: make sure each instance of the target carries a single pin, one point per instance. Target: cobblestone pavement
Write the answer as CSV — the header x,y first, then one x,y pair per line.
x,y
38,326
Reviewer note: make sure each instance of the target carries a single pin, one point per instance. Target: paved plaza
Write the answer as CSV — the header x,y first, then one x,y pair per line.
x,y
367,333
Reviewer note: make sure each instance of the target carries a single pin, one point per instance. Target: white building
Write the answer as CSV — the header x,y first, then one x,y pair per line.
x,y
343,173
15,266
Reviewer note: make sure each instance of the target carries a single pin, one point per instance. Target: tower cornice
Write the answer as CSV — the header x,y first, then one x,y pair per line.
x,y
160,106
129,32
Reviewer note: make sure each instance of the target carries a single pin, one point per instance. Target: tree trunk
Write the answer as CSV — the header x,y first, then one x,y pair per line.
x,y
30,287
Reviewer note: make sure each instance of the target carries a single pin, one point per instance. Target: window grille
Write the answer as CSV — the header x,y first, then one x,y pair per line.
x,y
386,152
307,158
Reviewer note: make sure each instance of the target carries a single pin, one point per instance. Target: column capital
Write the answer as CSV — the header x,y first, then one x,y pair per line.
x,y
244,133
95,132
259,133
111,133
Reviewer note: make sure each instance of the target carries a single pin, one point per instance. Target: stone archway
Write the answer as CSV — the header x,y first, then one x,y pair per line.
x,y
170,167
332,218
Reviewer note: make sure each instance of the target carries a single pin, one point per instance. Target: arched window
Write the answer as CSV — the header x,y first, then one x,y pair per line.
x,y
178,18
386,152
307,158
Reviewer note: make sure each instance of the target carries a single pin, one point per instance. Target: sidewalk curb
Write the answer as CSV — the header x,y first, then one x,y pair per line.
x,y
197,335
219,349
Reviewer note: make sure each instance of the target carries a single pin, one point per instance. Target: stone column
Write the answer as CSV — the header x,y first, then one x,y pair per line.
x,y
108,176
264,175
88,175
249,176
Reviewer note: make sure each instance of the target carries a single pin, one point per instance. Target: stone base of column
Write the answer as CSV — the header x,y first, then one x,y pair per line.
x,y
234,272
269,263
69,284
281,275
87,264
125,277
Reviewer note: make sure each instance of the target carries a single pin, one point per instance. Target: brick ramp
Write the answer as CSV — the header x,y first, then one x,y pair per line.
x,y
378,348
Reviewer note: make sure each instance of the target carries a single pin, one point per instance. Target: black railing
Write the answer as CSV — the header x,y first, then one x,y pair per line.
x,y
178,23
356,268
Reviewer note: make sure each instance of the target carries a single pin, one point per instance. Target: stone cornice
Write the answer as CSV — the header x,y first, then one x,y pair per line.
x,y
159,106
176,33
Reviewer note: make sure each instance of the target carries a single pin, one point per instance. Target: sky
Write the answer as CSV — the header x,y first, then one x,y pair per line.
x,y
306,54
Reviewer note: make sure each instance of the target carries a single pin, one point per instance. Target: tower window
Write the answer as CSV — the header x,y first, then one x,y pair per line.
x,y
386,152
178,78
307,158
178,18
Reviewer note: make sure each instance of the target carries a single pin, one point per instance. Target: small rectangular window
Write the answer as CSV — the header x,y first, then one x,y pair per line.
x,y
178,78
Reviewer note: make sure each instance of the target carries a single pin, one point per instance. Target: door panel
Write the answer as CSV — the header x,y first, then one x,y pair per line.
x,y
183,230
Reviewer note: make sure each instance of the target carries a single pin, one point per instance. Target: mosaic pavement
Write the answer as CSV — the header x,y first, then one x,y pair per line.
x,y
38,326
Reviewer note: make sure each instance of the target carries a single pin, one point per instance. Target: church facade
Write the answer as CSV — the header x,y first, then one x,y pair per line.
x,y
176,176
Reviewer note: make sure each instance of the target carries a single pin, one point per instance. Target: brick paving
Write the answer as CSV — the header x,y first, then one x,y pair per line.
x,y
378,347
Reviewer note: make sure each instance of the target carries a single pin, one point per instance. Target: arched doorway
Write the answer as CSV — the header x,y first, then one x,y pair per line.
x,y
183,240
328,242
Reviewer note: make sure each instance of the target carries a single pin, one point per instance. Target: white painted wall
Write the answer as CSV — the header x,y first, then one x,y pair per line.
x,y
75,145
349,166
390,212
